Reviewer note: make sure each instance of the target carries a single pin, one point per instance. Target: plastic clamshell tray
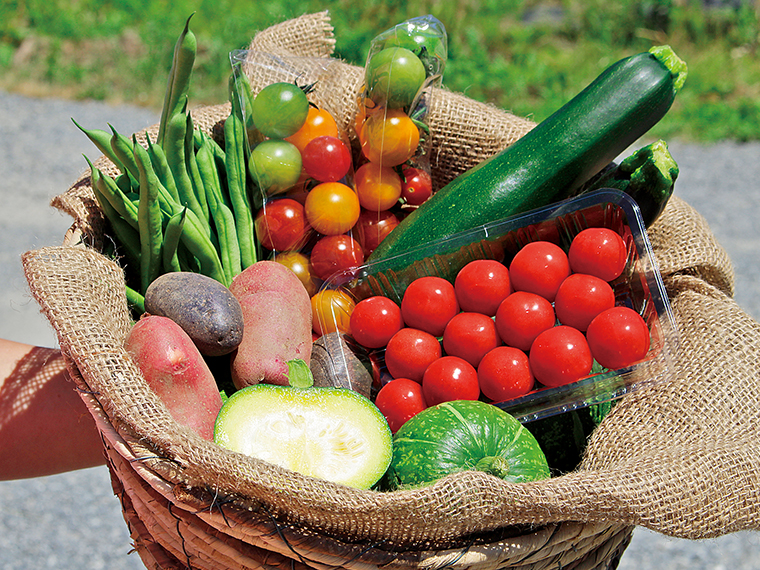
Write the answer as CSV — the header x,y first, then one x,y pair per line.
x,y
640,287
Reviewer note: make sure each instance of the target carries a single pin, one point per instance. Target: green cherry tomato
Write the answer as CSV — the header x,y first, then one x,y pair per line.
x,y
275,165
423,35
393,76
280,109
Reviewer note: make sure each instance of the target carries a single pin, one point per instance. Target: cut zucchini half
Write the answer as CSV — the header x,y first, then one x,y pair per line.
x,y
334,434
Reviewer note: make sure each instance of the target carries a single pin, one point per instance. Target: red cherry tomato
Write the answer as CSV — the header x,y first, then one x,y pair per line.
x,y
331,311
375,320
326,159
559,356
378,187
521,317
281,225
428,304
482,285
504,373
618,337
598,251
580,298
319,122
409,352
539,267
333,254
399,400
470,336
332,208
372,228
450,378
417,185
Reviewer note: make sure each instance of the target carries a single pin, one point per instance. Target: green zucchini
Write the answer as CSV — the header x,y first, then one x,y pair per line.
x,y
555,158
648,176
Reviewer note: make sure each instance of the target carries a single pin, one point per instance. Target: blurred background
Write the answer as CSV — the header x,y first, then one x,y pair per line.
x,y
528,57
101,61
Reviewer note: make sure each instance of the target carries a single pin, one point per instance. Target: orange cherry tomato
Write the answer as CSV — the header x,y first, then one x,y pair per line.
x,y
319,122
332,208
389,138
331,311
378,187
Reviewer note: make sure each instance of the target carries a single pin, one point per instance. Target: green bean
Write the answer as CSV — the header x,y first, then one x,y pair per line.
x,y
127,209
124,151
174,145
194,237
192,167
179,77
161,166
199,244
124,182
126,236
187,260
172,235
107,188
220,158
135,299
235,142
150,220
221,214
102,141
245,93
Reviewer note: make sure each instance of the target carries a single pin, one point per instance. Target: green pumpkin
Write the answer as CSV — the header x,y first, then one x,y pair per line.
x,y
463,435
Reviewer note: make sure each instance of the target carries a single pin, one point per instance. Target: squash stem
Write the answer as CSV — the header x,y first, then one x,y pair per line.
x,y
494,465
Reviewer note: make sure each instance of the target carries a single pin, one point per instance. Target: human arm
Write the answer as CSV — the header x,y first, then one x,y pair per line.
x,y
45,427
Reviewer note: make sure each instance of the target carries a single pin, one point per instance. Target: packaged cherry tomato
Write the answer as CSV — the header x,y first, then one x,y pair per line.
x,y
540,344
403,64
296,169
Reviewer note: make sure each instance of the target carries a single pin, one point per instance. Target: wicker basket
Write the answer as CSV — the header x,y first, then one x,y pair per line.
x,y
174,528
679,457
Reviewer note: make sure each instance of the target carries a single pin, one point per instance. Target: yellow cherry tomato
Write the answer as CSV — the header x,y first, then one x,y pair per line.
x,y
378,187
332,208
331,311
299,264
390,138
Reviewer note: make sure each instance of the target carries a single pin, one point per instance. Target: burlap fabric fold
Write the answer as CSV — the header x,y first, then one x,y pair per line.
x,y
679,457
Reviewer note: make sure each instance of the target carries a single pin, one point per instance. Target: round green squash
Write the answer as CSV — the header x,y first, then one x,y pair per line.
x,y
463,435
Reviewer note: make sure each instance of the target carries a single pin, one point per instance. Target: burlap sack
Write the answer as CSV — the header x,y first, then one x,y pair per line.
x,y
679,457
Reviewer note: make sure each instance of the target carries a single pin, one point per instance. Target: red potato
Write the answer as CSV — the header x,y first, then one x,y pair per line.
x,y
276,324
176,372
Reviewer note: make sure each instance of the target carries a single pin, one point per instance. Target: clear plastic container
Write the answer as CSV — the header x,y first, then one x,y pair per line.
x,y
640,287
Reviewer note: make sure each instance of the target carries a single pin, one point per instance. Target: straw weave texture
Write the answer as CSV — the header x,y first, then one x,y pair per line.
x,y
679,457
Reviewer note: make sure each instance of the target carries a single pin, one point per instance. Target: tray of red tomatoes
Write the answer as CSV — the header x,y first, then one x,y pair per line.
x,y
552,310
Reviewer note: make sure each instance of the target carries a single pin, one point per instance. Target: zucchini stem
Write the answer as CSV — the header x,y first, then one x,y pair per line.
x,y
675,64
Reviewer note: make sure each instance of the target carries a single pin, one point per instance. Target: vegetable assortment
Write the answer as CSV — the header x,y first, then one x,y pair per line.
x,y
229,243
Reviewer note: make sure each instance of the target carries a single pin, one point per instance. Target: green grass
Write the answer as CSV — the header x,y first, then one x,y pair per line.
x,y
526,57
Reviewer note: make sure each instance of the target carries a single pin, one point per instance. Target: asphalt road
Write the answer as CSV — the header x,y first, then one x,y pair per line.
x,y
73,521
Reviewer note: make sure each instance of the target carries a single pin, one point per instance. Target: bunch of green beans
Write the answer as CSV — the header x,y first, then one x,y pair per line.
x,y
180,202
